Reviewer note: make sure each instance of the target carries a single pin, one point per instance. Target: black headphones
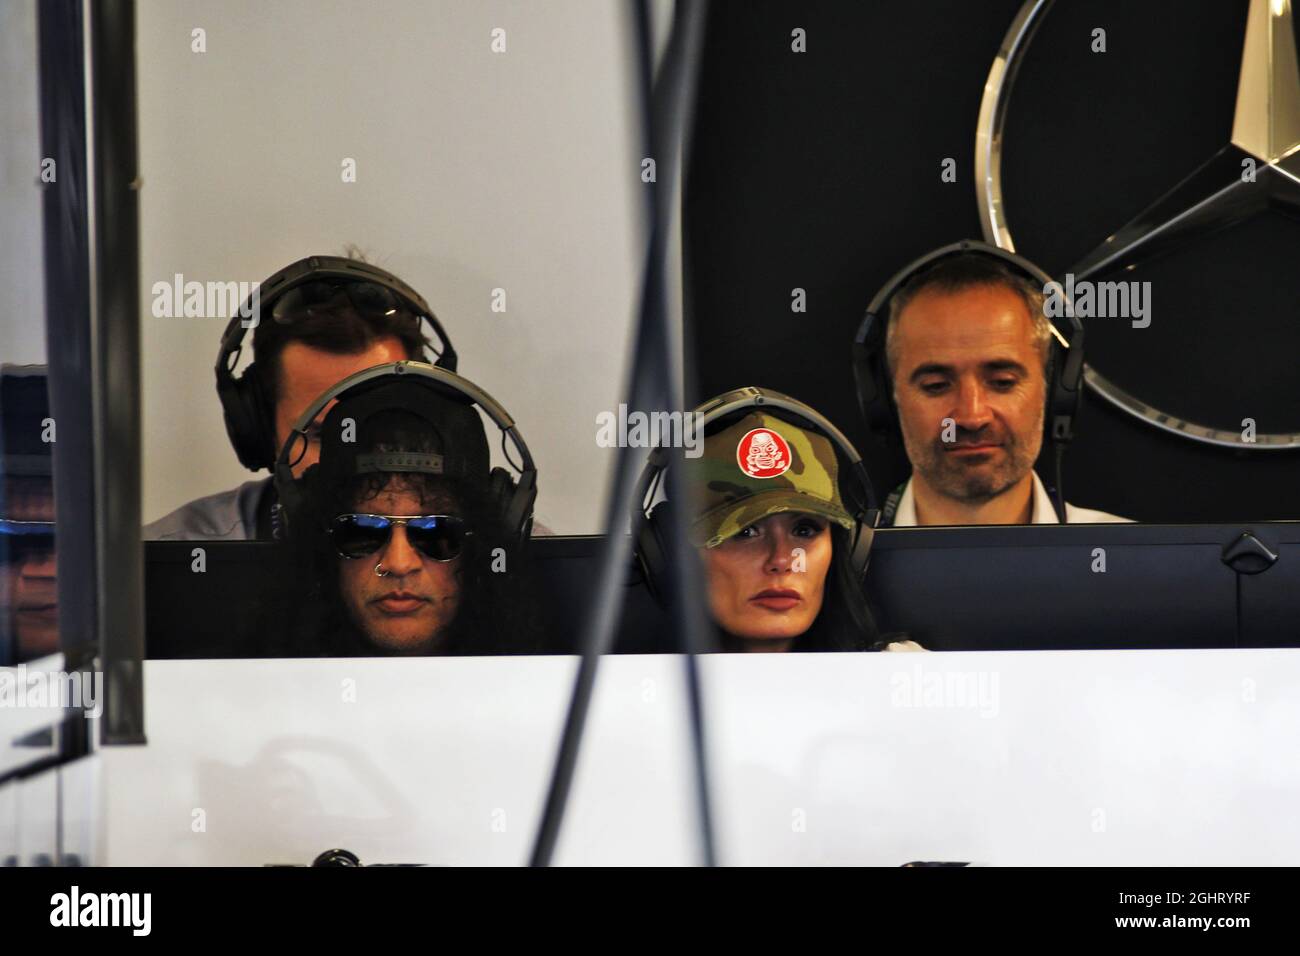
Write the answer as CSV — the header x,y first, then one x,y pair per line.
x,y
1065,365
512,499
246,402
650,520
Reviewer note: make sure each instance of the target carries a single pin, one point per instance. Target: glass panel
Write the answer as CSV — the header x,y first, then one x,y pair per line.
x,y
28,592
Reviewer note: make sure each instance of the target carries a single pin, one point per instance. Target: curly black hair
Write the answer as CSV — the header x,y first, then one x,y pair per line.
x,y
497,609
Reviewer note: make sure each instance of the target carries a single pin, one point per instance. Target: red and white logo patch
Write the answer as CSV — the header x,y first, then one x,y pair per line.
x,y
763,453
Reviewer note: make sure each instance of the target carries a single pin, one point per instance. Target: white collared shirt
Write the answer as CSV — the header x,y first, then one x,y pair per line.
x,y
1041,511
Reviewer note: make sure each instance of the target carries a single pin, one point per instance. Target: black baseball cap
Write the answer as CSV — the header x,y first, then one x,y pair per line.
x,y
403,424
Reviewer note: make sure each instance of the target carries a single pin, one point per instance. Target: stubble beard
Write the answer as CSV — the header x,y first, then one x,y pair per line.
x,y
975,483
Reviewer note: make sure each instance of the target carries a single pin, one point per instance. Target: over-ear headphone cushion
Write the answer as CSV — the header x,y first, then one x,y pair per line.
x,y
1065,396
653,547
297,499
871,376
249,419
860,541
501,488
502,498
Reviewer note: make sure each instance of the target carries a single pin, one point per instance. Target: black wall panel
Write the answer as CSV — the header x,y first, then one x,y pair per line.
x,y
821,171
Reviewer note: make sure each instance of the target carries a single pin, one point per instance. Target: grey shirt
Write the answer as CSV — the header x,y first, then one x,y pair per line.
x,y
229,516
225,516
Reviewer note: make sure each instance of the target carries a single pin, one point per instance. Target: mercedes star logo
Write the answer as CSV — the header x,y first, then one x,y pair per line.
x,y
1259,168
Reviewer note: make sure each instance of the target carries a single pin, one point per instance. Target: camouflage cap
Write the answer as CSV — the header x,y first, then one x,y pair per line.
x,y
759,466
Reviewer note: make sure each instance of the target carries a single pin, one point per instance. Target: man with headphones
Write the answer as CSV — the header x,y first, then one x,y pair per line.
x,y
402,539
957,356
313,323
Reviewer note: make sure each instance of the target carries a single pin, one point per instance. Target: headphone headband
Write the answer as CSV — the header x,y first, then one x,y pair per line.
x,y
518,511
917,266
500,417
316,269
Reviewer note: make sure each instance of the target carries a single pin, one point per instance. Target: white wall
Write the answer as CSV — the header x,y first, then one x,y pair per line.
x,y
22,292
1006,759
475,170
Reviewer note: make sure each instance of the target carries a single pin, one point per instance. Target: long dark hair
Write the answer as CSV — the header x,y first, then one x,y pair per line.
x,y
844,622
495,614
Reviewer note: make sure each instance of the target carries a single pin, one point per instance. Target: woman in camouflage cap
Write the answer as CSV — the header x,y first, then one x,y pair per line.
x,y
774,535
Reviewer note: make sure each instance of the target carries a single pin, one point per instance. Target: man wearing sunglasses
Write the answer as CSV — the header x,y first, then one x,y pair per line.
x,y
321,319
400,572
393,537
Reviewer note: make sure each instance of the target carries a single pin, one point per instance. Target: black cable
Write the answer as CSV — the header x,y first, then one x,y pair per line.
x,y
505,451
1058,492
652,384
1236,637
689,617
654,487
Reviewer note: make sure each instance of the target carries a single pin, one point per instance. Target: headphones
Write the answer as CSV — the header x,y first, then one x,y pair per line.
x,y
246,401
651,521
512,499
1064,367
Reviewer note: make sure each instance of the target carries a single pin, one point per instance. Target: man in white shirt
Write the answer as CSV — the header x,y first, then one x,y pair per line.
x,y
1041,510
967,346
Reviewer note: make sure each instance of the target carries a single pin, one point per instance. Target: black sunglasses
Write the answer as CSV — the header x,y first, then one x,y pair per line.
x,y
368,298
439,537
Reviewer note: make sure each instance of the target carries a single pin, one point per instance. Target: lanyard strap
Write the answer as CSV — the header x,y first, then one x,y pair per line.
x,y
891,506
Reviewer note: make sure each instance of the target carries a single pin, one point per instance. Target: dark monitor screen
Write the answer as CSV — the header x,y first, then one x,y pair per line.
x,y
1008,588
1104,586
216,612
